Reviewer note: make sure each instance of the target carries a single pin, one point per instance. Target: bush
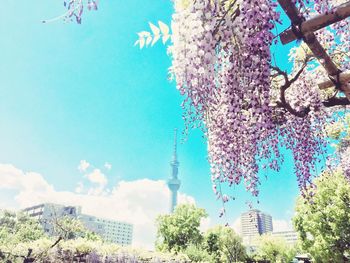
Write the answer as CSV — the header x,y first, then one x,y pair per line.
x,y
76,250
197,254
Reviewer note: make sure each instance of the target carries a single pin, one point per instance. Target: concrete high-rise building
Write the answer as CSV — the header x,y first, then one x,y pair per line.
x,y
265,224
174,183
48,213
253,223
110,230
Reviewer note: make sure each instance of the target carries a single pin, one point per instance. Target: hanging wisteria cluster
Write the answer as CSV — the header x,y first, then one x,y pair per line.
x,y
222,65
345,163
75,10
336,39
247,106
339,131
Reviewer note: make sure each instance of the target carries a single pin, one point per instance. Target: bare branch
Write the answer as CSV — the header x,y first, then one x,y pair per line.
x,y
336,101
281,73
236,13
56,242
287,83
295,78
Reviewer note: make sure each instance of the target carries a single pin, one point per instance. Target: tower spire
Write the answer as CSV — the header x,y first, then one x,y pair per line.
x,y
175,146
173,182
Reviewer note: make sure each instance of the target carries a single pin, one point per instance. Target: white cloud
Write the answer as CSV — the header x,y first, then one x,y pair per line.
x,y
206,223
237,226
97,177
14,178
80,188
138,202
83,166
108,166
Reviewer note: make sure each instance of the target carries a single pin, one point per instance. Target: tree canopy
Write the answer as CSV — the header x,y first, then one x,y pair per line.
x,y
224,245
274,249
179,230
18,227
339,131
323,223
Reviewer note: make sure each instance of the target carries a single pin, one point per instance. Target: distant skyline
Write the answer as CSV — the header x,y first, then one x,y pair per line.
x,y
86,117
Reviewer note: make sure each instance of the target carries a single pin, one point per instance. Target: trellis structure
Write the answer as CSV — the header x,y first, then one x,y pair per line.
x,y
304,30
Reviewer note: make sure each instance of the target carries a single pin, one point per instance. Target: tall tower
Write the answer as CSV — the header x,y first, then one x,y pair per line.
x,y
173,182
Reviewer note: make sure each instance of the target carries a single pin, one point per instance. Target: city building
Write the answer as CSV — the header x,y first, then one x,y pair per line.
x,y
291,237
91,223
254,223
48,213
173,182
110,230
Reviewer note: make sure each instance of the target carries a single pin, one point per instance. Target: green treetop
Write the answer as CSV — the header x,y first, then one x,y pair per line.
x,y
179,230
323,223
15,228
224,245
274,249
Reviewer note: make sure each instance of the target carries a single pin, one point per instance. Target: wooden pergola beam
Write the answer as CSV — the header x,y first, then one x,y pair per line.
x,y
344,78
320,53
318,22
310,38
314,45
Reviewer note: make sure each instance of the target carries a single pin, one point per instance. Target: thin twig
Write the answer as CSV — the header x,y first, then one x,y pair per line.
x,y
224,15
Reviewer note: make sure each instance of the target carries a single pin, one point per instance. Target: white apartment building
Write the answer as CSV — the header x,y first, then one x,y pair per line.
x,y
110,230
254,223
48,213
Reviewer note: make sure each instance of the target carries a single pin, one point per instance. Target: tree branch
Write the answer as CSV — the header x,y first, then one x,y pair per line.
x,y
56,242
287,83
336,101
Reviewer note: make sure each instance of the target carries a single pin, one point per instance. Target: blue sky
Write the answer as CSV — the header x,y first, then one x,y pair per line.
x,y
73,92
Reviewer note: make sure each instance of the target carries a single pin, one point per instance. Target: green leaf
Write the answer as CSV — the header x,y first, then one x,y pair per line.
x,y
142,42
163,28
155,29
165,38
148,40
155,39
